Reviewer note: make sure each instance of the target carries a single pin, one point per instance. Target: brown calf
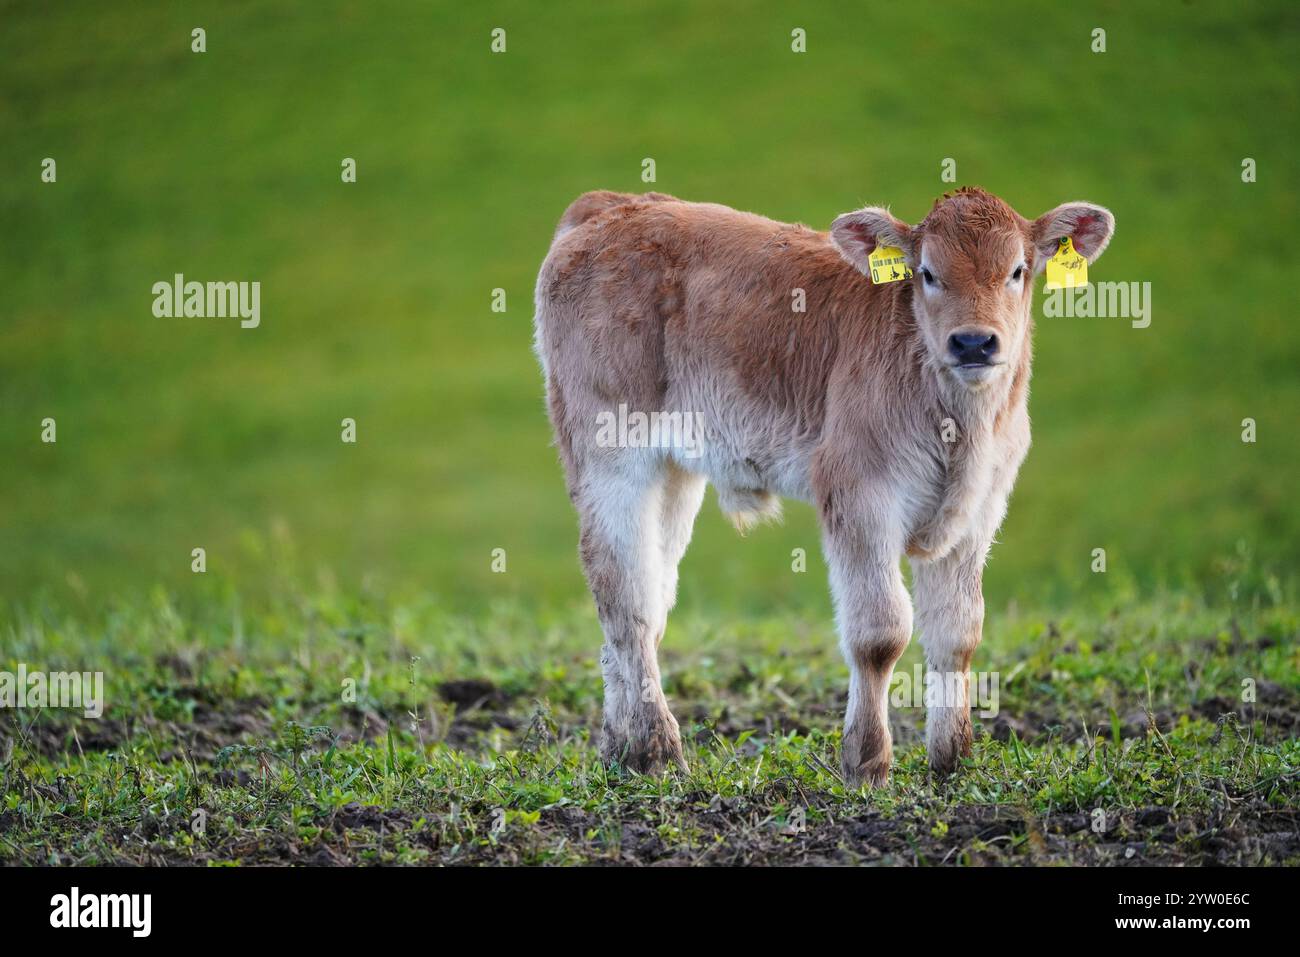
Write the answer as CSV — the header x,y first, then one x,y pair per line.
x,y
899,410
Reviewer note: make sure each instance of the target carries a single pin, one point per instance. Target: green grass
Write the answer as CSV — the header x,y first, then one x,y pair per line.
x,y
182,433
332,729
372,562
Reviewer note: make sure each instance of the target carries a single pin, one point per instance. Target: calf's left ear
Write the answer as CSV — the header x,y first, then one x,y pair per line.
x,y
856,235
1088,225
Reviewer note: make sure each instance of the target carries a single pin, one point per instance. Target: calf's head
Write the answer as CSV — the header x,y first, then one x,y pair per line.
x,y
973,260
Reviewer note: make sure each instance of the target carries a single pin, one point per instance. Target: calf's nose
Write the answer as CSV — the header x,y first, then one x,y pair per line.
x,y
973,348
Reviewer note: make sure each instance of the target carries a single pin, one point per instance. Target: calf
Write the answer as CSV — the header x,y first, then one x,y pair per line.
x,y
898,410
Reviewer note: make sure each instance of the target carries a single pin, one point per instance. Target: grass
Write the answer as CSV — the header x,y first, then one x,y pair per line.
x,y
468,739
174,434
332,730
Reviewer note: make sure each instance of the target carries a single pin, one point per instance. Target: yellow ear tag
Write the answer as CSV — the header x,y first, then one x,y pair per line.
x,y
888,264
1066,268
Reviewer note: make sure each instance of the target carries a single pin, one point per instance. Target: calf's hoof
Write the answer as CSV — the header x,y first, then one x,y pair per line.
x,y
866,753
654,750
946,749
873,774
946,758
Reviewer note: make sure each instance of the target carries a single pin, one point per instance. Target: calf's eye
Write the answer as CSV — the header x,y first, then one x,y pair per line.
x,y
1020,271
927,276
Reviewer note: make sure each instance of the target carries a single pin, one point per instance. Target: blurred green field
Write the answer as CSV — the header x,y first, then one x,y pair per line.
x,y
177,433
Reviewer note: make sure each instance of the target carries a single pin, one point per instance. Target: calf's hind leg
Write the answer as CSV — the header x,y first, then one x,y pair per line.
x,y
683,495
621,502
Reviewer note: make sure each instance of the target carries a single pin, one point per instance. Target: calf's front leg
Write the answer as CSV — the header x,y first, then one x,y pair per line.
x,y
874,616
950,619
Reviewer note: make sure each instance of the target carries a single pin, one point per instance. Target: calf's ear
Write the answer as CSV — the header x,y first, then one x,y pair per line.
x,y
857,234
1089,227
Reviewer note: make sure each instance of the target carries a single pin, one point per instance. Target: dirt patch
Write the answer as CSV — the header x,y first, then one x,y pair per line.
x,y
53,734
472,693
740,832
1277,721
786,824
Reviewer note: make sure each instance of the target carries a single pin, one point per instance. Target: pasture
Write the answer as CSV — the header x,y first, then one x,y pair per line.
x,y
390,655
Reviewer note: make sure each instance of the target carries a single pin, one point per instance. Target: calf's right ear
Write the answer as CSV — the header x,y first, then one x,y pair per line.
x,y
857,234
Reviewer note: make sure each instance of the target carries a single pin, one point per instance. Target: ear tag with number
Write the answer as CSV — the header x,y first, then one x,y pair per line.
x,y
888,264
1067,267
